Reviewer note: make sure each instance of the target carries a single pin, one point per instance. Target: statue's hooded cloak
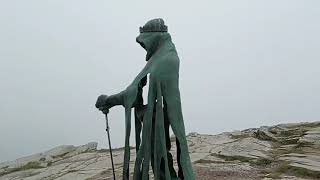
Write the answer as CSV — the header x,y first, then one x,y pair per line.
x,y
163,108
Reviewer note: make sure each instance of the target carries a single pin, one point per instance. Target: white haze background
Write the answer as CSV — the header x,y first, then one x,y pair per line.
x,y
243,64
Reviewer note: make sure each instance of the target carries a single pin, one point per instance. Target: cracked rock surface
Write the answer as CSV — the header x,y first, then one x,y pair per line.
x,y
284,151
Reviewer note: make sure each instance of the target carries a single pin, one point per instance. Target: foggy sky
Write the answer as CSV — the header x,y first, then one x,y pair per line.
x,y
243,64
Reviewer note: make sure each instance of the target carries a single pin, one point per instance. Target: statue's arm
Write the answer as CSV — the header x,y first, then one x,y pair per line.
x,y
104,102
116,99
126,98
107,102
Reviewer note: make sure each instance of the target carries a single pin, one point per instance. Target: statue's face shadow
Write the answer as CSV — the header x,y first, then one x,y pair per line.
x,y
138,40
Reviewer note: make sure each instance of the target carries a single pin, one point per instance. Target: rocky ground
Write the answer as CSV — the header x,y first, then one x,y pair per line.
x,y
284,151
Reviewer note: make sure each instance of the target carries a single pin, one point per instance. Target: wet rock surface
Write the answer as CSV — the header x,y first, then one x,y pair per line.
x,y
284,151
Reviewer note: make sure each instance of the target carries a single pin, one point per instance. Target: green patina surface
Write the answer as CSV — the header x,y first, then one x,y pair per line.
x,y
152,120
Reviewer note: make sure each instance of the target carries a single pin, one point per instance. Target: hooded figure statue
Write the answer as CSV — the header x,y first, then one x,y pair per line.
x,y
152,120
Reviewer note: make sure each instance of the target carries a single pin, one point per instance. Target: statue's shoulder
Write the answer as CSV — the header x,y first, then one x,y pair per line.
x,y
166,66
170,59
167,57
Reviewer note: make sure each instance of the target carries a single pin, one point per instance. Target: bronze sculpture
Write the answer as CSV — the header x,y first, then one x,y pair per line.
x,y
152,120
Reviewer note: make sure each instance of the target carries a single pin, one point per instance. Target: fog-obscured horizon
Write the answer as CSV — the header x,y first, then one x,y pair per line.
x,y
243,64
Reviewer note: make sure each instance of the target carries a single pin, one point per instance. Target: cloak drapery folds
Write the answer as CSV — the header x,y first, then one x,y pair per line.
x,y
163,109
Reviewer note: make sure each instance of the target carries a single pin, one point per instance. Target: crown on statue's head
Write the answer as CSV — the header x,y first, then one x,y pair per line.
x,y
154,25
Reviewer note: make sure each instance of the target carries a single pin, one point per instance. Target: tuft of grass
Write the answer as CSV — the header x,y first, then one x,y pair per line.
x,y
60,155
114,149
287,141
307,125
276,152
29,165
261,135
72,170
204,161
292,132
239,136
302,172
5,167
233,158
285,168
49,163
262,162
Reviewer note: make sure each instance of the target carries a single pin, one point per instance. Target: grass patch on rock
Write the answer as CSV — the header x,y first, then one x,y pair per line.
x,y
29,165
284,168
239,136
49,163
205,161
233,158
278,151
261,162
113,150
60,155
307,125
4,167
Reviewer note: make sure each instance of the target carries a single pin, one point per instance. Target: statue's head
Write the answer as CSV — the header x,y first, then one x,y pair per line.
x,y
151,34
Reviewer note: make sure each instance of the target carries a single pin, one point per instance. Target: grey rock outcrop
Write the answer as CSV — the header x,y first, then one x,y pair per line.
x,y
311,137
284,151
